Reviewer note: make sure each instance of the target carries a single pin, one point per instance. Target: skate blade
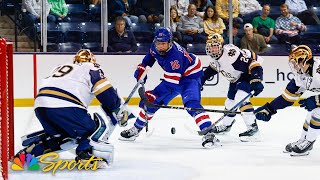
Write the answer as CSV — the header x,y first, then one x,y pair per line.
x,y
250,138
212,145
299,154
127,139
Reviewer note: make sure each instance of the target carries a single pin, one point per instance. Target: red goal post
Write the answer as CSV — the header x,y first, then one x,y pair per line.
x,y
6,105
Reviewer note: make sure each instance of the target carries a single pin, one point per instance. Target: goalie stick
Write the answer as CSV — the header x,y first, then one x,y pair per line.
x,y
149,104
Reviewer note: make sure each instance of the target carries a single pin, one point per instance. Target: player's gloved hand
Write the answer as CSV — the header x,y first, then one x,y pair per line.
x,y
265,112
137,74
310,103
257,87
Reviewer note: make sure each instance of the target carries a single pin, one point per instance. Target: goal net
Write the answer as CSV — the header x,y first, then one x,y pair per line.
x,y
6,105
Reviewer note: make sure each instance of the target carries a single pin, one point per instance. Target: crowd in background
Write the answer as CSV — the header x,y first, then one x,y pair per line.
x,y
191,21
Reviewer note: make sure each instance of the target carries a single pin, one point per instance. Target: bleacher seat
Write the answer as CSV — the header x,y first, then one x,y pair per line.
x,y
143,32
91,31
69,47
93,46
312,35
71,31
277,50
196,48
143,47
77,12
52,47
54,33
95,12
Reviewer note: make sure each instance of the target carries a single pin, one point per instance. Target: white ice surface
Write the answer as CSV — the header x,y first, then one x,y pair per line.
x,y
164,156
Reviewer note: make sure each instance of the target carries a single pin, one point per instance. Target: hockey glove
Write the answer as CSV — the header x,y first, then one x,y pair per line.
x,y
257,87
137,74
310,103
265,112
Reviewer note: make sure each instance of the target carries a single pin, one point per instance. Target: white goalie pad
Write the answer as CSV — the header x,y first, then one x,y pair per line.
x,y
103,150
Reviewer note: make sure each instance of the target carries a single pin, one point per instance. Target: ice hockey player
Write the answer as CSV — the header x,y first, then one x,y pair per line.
x,y
61,107
307,78
182,72
243,69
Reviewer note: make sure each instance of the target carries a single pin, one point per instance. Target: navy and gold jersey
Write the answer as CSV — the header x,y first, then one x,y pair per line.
x,y
75,85
234,62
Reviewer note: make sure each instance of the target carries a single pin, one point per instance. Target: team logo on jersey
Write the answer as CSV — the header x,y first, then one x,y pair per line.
x,y
175,64
232,52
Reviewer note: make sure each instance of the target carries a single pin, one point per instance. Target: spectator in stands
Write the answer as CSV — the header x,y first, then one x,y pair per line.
x,y
201,6
235,30
265,25
249,9
212,23
222,7
299,9
59,10
124,8
191,27
150,11
33,10
174,20
253,41
181,6
288,27
121,39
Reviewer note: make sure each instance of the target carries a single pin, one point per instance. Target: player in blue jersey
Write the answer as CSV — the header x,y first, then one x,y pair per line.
x,y
243,69
61,107
182,75
305,67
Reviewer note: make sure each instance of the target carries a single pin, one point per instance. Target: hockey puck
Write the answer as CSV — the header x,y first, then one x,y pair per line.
x,y
173,130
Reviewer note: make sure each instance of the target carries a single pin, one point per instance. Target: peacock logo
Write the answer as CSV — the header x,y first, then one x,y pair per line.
x,y
19,162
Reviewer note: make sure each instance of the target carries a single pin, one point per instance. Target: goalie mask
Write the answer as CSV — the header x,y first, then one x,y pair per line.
x,y
214,45
300,60
84,55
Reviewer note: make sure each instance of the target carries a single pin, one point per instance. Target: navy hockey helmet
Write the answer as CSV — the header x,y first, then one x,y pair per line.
x,y
163,35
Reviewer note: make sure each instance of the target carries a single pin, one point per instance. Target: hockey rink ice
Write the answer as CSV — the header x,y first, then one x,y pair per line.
x,y
180,156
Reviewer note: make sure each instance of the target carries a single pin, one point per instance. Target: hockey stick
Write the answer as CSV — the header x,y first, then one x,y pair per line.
x,y
149,104
234,108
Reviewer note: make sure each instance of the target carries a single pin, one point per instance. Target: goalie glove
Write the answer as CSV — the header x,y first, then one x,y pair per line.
x,y
122,114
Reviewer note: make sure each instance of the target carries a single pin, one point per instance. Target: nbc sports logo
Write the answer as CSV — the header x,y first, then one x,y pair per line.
x,y
19,162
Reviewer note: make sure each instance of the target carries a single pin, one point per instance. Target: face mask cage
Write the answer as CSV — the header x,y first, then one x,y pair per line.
x,y
214,50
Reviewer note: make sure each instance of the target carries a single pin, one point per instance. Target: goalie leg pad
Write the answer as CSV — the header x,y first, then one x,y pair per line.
x,y
103,150
33,138
102,132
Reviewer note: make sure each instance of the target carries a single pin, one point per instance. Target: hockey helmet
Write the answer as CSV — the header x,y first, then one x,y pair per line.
x,y
214,45
163,35
299,57
84,55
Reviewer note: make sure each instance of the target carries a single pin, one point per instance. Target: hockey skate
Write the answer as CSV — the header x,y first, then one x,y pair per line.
x,y
129,134
223,129
288,148
252,134
209,140
302,148
86,155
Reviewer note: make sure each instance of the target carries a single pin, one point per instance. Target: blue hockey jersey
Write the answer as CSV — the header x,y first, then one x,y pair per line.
x,y
177,64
